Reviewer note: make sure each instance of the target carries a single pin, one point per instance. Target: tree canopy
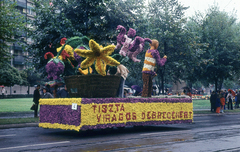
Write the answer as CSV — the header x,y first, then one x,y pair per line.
x,y
12,24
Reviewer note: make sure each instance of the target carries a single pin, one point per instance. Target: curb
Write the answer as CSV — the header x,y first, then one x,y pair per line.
x,y
18,125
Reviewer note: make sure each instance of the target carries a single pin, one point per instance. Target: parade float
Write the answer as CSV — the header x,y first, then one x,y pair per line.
x,y
89,74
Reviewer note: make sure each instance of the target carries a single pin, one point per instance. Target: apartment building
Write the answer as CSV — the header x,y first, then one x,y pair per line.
x,y
19,56
25,7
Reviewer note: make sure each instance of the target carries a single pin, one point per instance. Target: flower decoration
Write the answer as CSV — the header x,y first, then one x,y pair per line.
x,y
101,113
85,72
63,41
54,68
48,55
98,55
67,52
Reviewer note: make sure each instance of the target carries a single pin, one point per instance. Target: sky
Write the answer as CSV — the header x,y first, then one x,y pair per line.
x,y
202,5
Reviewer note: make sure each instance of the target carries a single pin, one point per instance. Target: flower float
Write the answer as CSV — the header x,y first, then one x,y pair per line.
x,y
66,61
98,55
130,48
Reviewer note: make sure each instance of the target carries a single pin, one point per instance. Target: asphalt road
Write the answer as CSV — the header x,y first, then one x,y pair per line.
x,y
217,132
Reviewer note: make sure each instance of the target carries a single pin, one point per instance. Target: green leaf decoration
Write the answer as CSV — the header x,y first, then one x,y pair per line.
x,y
76,41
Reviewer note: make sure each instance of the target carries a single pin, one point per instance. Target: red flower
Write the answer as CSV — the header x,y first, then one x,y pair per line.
x,y
64,55
63,41
48,55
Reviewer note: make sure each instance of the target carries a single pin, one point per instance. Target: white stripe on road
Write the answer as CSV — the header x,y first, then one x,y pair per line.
x,y
63,142
7,135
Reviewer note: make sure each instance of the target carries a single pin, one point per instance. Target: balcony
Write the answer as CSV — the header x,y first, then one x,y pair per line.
x,y
18,60
17,47
21,3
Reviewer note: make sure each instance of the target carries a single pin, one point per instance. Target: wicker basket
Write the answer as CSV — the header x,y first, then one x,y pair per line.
x,y
92,86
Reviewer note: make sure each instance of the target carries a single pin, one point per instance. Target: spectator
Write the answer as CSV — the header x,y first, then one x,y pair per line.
x,y
213,100
230,99
225,94
63,93
222,100
36,97
3,92
238,99
218,103
46,94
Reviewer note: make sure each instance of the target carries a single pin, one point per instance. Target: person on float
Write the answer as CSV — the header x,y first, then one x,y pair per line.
x,y
46,94
152,58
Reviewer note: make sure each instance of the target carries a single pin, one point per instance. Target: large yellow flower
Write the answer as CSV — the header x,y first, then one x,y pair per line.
x,y
98,54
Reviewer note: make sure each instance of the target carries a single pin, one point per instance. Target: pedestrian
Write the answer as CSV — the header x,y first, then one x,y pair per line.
x,y
3,91
36,97
238,99
46,94
213,100
225,94
230,100
152,58
63,93
218,103
222,100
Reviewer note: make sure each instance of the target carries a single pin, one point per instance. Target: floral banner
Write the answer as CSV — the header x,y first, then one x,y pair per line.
x,y
113,112
94,114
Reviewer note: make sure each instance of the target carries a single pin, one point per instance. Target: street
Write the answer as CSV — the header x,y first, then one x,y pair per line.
x,y
216,132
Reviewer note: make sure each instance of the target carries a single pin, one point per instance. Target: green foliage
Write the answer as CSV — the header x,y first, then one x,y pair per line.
x,y
95,19
165,22
220,59
11,25
9,75
30,77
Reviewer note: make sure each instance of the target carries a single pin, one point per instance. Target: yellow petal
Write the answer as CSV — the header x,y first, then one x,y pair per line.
x,y
94,46
85,72
99,66
87,62
84,53
110,61
108,50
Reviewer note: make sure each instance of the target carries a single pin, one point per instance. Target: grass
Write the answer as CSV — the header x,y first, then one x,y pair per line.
x,y
24,104
16,104
18,120
201,104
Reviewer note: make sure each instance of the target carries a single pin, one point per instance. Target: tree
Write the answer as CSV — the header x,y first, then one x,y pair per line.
x,y
165,22
9,75
221,58
95,19
11,25
30,77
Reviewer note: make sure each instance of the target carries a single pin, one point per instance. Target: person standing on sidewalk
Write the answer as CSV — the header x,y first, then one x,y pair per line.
x,y
36,97
230,100
213,100
218,103
222,100
238,99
